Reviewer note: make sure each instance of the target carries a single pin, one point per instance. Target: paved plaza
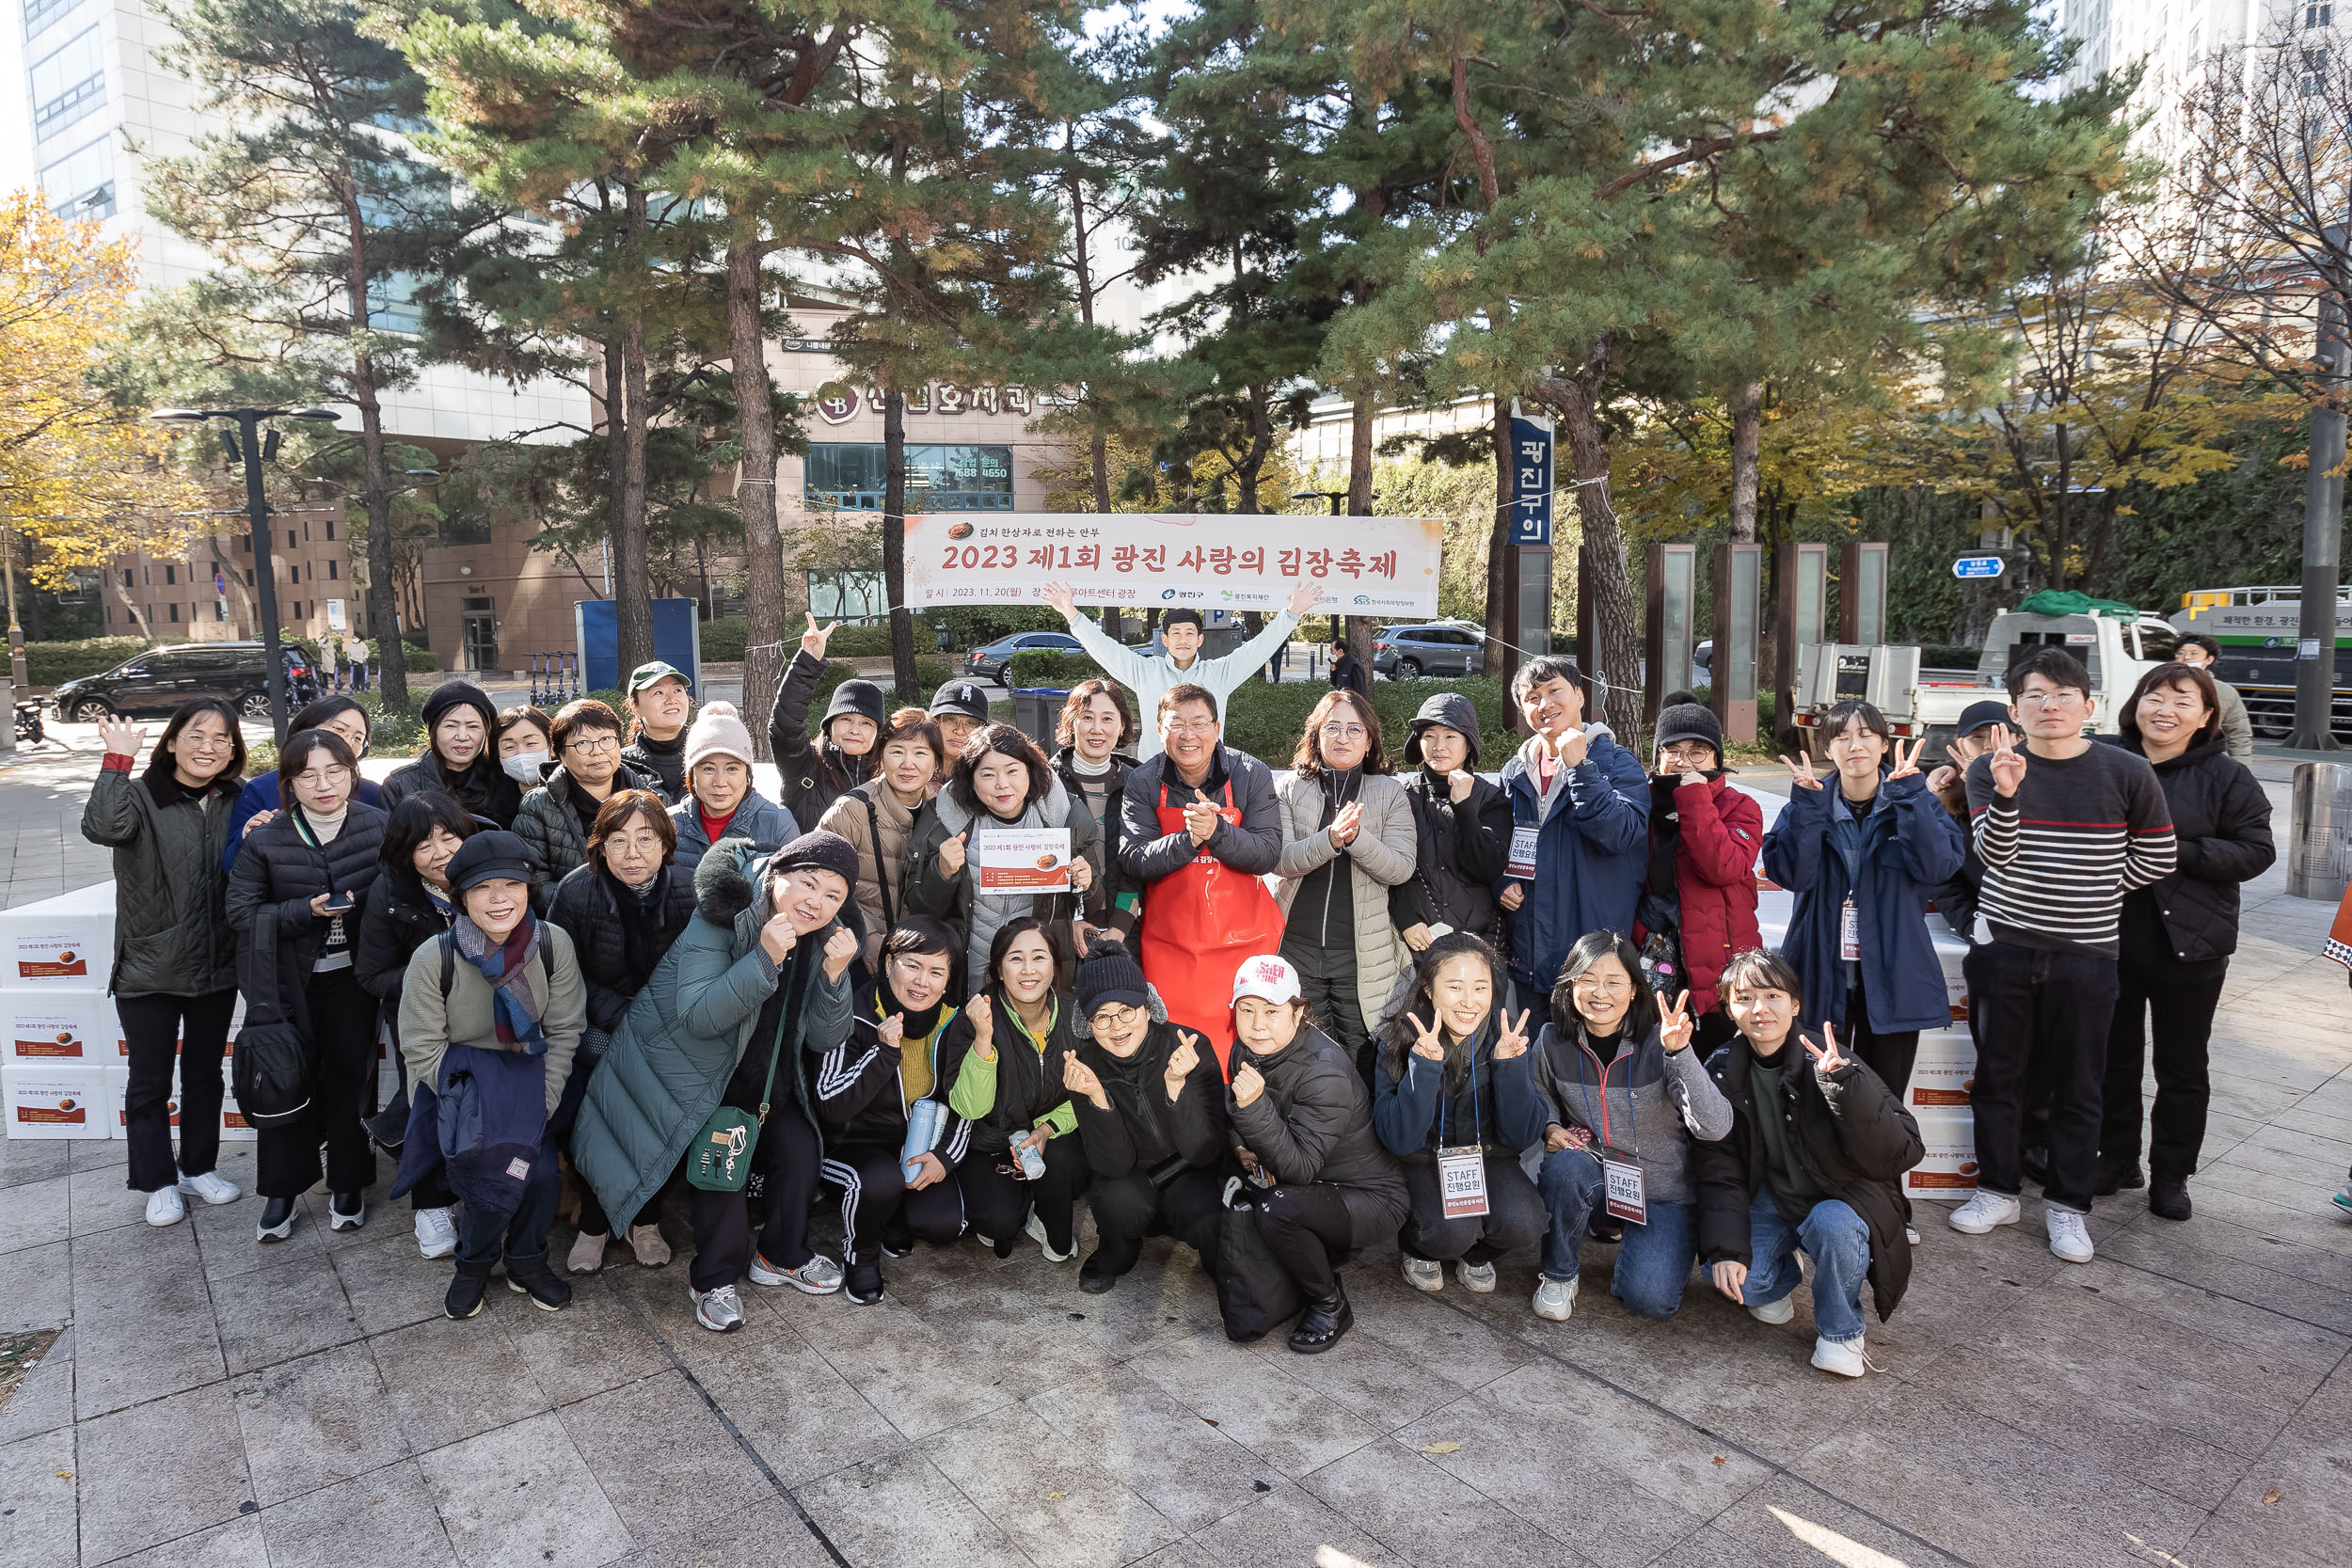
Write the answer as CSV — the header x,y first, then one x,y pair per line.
x,y
2186,1398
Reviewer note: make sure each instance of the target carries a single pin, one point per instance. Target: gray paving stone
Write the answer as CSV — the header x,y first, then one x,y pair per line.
x,y
312,1422
594,1345
142,1319
451,1381
1191,1473
156,1472
1428,1516
1047,1495
1256,1402
790,1404
662,1459
38,1523
35,1288
1555,1405
280,1313
899,1511
522,1496
35,1216
237,1543
23,1160
1289,1526
388,1286
382,1518
43,1401
765,1534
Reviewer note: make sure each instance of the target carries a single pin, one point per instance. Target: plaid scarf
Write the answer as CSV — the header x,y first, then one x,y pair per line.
x,y
511,1006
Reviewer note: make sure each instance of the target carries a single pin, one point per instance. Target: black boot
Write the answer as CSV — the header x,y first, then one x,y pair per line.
x,y
276,1222
2168,1197
1323,1322
2034,1163
1094,1281
531,1277
2114,1179
465,1290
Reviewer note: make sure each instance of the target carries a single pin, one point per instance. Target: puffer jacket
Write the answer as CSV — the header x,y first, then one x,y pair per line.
x,y
1025,1085
1461,852
549,829
1591,848
685,1034
172,933
662,761
881,868
1383,854
2222,826
278,866
1718,830
955,899
1103,901
1314,1123
811,774
758,819
261,795
1419,1113
584,906
1143,1128
431,1023
483,789
1649,1102
1853,1133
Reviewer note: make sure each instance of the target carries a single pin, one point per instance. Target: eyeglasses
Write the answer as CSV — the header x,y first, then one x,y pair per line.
x,y
593,745
1190,727
319,778
1615,985
2047,699
1343,732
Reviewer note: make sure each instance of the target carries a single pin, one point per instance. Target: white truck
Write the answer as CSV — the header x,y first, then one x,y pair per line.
x,y
2259,629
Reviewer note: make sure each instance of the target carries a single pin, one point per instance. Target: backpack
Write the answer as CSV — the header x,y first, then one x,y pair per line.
x,y
271,1071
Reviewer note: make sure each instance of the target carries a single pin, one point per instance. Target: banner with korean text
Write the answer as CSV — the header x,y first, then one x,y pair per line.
x,y
1145,559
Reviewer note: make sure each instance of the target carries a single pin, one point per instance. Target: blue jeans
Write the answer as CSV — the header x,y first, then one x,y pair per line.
x,y
1839,1244
1653,1260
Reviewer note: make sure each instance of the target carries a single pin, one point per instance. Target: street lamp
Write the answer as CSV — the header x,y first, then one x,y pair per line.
x,y
1337,497
245,445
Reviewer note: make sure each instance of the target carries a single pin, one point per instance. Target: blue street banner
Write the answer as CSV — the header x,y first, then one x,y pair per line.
x,y
1530,478
1977,566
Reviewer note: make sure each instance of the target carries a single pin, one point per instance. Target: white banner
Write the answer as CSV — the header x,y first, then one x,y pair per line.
x,y
1366,565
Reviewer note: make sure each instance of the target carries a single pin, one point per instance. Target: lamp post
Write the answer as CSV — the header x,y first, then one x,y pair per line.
x,y
249,449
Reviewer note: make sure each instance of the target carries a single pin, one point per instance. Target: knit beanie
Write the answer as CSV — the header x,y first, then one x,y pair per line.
x,y
1685,718
717,731
817,849
859,697
1108,975
450,694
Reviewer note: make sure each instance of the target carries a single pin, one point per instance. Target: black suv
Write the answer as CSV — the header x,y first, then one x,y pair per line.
x,y
156,682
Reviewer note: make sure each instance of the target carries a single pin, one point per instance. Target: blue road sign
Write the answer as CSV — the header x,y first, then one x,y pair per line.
x,y
1531,478
1977,566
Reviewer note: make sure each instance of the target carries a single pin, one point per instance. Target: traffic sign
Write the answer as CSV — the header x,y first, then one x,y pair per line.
x,y
1977,566
220,584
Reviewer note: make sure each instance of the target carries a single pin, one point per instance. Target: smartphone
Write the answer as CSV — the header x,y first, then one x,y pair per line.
x,y
340,903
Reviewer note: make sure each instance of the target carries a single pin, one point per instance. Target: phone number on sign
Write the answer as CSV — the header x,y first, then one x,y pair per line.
x,y
1154,562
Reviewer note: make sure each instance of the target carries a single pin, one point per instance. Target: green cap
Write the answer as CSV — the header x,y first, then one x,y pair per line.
x,y
647,674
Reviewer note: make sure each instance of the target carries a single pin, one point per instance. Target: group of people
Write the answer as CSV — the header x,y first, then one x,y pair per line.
x,y
342,663
1281,1019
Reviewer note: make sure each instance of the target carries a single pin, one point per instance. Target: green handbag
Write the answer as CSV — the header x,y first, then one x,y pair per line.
x,y
720,1158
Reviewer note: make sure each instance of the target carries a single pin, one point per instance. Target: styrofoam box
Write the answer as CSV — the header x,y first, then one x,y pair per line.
x,y
235,1129
61,944
41,1100
60,1027
121,1078
1944,1071
1948,1173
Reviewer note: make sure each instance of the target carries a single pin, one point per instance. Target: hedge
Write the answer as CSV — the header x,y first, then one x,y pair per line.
x,y
1047,667
399,734
723,638
53,663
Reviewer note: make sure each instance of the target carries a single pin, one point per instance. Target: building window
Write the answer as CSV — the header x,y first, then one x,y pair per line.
x,y
81,184
392,304
126,577
68,83
2318,16
2314,72
332,574
847,595
41,13
330,530
244,543
849,475
221,610
248,577
175,614
171,576
292,543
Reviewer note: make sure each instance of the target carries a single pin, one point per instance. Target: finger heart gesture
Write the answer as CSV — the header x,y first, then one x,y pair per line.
x,y
1185,1057
1247,1085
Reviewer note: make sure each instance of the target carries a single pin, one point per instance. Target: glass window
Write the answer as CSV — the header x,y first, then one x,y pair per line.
x,y
847,595
392,304
68,84
940,477
41,13
81,184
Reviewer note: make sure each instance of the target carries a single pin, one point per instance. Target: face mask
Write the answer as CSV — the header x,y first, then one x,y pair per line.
x,y
523,766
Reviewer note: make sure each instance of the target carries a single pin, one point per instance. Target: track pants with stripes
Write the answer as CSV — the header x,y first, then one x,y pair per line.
x,y
874,1194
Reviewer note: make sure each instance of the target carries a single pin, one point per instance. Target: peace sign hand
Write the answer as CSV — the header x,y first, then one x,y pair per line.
x,y
1907,767
813,641
1425,1042
2008,764
1829,1061
1674,1021
1800,773
1512,1041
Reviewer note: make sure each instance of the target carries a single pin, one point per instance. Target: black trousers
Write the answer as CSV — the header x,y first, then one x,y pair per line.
x,y
1129,1208
342,1034
1515,1216
2048,1011
784,1175
483,1238
193,1031
874,1194
996,1201
2178,1014
1327,983
1889,1056
1303,1224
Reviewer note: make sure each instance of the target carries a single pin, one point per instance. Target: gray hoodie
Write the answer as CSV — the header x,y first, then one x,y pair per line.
x,y
1657,1101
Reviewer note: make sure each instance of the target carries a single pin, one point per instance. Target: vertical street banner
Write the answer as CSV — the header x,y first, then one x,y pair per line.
x,y
1146,560
1530,478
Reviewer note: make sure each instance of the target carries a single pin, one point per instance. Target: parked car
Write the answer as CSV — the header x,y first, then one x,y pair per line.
x,y
154,683
1432,648
988,662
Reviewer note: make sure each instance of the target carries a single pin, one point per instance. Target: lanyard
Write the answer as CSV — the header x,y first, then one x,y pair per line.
x,y
1478,1113
1635,1129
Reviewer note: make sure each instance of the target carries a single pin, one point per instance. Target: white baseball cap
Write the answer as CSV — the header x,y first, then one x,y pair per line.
x,y
1267,977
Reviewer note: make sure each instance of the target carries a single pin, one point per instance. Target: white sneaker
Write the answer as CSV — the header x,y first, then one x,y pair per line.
x,y
212,1187
1478,1279
164,1208
1423,1273
2068,1239
819,1277
436,1232
1910,1234
1555,1299
718,1311
1983,1212
587,1254
1036,1227
1844,1357
1776,1312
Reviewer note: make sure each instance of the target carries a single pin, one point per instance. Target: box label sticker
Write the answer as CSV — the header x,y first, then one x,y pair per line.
x,y
56,958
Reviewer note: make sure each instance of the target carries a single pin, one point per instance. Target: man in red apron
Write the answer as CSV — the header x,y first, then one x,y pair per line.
x,y
1199,829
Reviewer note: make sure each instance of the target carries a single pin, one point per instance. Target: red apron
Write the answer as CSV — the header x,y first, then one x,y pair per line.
x,y
1199,924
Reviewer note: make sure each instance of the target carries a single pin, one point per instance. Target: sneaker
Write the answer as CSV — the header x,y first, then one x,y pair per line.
x,y
1555,1299
1910,1234
465,1289
819,1277
1842,1357
164,1208
1093,1281
2116,1179
277,1221
436,1232
2068,1239
587,1254
212,1187
897,1244
346,1211
865,1283
1477,1278
645,1242
1776,1312
716,1310
2168,1199
1423,1273
1036,1229
1981,1213
2343,1199
531,1276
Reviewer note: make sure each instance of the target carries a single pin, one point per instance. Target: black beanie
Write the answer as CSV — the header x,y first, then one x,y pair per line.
x,y
1688,719
818,850
859,697
1109,975
450,694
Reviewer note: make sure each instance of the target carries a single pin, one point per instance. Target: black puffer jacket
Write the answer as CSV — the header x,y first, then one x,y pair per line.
x,y
1143,1129
811,774
664,761
1463,850
1102,901
1314,1123
399,918
483,789
551,830
586,906
2221,823
280,868
172,936
1856,1139
1029,1081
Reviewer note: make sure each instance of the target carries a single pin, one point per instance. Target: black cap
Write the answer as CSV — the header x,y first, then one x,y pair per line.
x,y
859,697
1109,975
818,850
1976,716
487,857
450,694
958,697
1688,721
1450,709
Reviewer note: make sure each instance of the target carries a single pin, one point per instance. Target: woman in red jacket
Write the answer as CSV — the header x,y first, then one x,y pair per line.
x,y
1698,904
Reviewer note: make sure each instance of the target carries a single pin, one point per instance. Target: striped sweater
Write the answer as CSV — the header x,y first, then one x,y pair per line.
x,y
2058,856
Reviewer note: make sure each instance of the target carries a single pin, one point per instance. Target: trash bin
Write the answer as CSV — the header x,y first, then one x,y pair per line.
x,y
2319,832
1037,713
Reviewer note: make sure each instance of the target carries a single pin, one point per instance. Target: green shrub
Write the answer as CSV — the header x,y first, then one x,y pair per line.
x,y
930,675
722,640
1267,720
50,663
397,733
970,625
872,640
419,661
1047,667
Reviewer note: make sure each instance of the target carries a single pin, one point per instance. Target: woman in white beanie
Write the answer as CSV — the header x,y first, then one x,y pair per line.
x,y
721,801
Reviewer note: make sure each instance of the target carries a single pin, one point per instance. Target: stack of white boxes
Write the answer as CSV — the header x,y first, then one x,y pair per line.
x,y
1939,1081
